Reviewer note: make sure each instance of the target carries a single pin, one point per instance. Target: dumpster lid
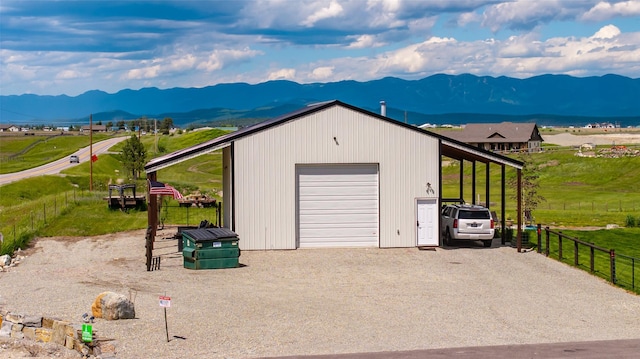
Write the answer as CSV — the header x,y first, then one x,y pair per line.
x,y
208,234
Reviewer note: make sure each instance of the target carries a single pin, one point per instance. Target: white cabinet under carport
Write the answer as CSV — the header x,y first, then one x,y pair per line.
x,y
337,205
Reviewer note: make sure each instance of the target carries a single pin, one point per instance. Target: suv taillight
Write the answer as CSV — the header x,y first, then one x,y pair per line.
x,y
492,224
455,223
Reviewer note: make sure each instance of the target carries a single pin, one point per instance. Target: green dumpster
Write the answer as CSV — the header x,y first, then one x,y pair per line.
x,y
210,248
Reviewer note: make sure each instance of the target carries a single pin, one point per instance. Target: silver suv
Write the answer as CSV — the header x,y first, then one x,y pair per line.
x,y
461,221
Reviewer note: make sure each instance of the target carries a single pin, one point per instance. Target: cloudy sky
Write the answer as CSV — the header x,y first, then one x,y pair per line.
x,y
69,47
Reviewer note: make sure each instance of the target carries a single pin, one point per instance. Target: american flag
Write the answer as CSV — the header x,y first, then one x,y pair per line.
x,y
163,189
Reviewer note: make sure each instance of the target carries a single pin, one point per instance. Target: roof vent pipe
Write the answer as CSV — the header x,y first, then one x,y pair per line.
x,y
383,108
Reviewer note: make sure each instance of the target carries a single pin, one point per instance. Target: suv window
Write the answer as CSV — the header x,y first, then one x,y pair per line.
x,y
481,214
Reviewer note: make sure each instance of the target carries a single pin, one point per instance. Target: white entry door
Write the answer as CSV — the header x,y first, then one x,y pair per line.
x,y
428,217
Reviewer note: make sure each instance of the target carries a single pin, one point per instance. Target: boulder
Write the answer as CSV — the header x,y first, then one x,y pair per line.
x,y
112,306
5,260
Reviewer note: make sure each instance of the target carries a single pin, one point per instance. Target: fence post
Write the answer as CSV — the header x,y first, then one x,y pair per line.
x,y
592,259
575,253
633,273
539,238
612,265
560,245
546,250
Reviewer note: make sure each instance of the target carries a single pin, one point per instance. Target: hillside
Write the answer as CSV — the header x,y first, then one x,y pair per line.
x,y
438,99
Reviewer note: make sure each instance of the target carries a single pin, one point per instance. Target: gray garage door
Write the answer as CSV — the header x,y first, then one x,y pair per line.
x,y
337,205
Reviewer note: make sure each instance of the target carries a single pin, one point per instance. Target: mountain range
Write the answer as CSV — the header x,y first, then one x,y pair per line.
x,y
451,99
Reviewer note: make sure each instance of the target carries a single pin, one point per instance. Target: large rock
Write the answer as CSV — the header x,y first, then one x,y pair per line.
x,y
112,306
5,260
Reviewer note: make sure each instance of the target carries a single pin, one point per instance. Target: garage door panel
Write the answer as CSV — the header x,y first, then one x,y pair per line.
x,y
331,233
353,218
338,205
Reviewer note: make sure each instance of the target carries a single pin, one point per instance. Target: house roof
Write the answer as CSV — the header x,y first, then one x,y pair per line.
x,y
450,147
505,132
95,127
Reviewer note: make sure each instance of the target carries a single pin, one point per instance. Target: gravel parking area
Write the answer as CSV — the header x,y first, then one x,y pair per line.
x,y
320,301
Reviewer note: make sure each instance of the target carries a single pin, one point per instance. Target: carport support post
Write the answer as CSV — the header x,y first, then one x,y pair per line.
x,y
462,180
152,218
473,182
486,186
503,211
519,221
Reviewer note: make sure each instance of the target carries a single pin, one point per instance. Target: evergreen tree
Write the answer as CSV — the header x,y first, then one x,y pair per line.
x,y
134,156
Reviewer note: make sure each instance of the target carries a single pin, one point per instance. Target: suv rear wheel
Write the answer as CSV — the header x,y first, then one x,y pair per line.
x,y
447,237
487,243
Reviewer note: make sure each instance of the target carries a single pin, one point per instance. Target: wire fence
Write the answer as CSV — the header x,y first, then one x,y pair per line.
x,y
19,222
620,269
189,215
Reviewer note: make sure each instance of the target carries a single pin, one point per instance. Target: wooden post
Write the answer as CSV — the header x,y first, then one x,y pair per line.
x,y
473,182
519,214
152,218
486,184
90,152
503,210
461,180
612,265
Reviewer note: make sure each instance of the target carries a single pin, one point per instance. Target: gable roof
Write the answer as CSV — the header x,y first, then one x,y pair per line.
x,y
496,132
450,147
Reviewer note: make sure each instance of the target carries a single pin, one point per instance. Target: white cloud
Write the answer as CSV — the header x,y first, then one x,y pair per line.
x,y
333,10
68,75
282,74
218,59
526,14
365,41
148,72
322,73
605,10
607,32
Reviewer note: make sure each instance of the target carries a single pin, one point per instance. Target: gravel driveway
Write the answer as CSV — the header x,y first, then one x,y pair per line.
x,y
320,301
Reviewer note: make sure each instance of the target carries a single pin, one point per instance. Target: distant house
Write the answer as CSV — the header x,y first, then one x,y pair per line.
x,y
96,128
9,128
505,136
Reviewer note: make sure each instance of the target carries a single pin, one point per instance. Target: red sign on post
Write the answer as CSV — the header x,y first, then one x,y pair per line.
x,y
165,302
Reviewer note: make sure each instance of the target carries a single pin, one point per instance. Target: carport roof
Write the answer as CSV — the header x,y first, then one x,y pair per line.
x,y
449,147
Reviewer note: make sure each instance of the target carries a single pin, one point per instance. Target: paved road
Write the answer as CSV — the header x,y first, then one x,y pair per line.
x,y
619,349
56,166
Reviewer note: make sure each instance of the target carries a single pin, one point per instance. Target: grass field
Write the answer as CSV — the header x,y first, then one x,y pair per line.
x,y
623,241
40,149
578,191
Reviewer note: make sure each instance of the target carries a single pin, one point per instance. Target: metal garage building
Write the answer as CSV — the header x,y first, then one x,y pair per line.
x,y
331,175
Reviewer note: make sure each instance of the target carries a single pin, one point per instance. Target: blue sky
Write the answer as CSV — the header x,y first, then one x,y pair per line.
x,y
70,47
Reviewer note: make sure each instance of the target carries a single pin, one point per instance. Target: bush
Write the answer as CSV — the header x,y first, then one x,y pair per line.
x,y
630,221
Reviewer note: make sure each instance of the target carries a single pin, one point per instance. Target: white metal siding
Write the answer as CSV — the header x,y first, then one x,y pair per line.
x,y
265,178
338,205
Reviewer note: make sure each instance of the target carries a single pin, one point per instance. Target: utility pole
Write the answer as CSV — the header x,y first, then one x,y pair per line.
x,y
155,132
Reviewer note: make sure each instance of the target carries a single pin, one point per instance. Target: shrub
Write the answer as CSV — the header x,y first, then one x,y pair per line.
x,y
630,221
